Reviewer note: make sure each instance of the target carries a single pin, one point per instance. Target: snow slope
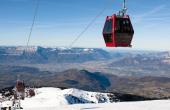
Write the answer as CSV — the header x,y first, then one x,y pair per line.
x,y
57,99
147,105
49,96
143,105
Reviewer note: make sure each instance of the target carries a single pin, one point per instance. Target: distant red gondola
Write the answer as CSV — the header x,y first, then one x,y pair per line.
x,y
118,30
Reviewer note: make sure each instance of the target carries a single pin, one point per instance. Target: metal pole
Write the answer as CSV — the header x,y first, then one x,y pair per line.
x,y
124,8
124,4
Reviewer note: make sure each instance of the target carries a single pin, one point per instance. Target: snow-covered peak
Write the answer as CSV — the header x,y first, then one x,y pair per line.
x,y
88,49
71,96
88,97
49,96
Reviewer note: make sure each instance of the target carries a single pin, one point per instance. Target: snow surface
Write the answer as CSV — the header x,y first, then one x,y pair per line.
x,y
55,96
54,99
144,105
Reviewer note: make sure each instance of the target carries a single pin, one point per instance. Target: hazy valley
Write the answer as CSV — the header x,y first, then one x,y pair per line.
x,y
143,73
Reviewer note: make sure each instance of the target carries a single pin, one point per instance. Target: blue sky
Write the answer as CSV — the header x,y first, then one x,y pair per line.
x,y
60,21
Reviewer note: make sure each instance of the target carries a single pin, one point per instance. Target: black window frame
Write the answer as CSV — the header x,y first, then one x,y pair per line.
x,y
123,25
108,27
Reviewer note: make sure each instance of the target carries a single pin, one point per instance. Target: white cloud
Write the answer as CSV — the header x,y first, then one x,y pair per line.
x,y
151,14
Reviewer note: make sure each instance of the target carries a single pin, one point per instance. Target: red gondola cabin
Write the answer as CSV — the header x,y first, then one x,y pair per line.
x,y
118,31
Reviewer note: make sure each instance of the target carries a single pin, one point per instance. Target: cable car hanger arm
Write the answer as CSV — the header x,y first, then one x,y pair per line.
x,y
123,11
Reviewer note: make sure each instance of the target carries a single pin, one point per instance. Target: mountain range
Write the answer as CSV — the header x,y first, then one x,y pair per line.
x,y
41,55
